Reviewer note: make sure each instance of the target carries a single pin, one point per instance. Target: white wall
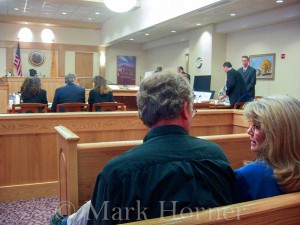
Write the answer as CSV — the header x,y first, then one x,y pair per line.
x,y
69,62
3,69
279,38
169,57
9,32
124,49
170,52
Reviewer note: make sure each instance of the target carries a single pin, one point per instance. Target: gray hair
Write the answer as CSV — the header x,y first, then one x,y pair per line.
x,y
161,96
69,78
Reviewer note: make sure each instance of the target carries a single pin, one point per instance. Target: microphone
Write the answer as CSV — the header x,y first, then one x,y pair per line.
x,y
109,82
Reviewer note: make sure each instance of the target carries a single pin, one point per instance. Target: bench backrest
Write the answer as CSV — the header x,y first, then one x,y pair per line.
x,y
79,164
278,210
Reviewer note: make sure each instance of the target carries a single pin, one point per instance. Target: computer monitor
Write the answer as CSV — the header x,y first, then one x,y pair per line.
x,y
202,83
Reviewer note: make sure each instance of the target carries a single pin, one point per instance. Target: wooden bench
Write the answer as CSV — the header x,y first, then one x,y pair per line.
x,y
278,210
79,164
28,143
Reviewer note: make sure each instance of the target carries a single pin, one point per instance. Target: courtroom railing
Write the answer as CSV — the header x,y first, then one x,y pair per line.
x,y
33,135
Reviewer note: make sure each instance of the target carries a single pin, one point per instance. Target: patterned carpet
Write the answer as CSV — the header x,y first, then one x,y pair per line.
x,y
28,212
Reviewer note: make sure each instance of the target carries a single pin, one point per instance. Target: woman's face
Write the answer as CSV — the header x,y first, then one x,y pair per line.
x,y
257,136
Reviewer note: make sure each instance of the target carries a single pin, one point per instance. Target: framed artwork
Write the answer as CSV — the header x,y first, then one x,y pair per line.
x,y
126,70
264,65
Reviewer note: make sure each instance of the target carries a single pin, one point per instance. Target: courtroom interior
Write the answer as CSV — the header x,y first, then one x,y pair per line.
x,y
70,78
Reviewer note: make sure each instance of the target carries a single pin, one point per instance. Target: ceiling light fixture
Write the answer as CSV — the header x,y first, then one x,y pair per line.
x,y
89,18
131,39
64,13
120,5
198,24
147,34
17,9
173,31
279,1
232,14
97,13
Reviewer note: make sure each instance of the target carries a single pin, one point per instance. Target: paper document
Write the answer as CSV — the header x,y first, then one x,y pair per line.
x,y
113,87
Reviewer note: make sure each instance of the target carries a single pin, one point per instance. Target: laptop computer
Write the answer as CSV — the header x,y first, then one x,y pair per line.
x,y
202,97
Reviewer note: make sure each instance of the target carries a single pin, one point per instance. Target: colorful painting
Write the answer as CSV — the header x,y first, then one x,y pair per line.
x,y
264,65
126,70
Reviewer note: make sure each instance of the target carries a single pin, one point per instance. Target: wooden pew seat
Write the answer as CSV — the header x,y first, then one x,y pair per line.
x,y
278,210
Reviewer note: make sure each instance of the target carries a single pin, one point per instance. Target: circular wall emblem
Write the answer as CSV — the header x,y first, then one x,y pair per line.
x,y
36,58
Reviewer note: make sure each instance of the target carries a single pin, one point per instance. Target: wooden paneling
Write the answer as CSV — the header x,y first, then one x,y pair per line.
x,y
84,64
28,191
61,49
28,143
49,84
4,98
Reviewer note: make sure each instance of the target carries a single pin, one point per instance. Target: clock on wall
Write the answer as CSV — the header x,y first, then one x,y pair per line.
x,y
198,62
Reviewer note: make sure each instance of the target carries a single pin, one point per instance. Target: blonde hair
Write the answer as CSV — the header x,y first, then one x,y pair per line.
x,y
278,117
101,85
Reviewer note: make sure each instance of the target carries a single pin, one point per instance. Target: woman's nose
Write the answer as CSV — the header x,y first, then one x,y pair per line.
x,y
250,130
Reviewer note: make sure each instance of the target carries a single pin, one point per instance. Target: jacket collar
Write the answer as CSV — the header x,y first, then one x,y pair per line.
x,y
165,130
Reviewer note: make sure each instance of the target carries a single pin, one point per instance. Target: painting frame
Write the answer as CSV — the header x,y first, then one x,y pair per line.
x,y
264,64
126,70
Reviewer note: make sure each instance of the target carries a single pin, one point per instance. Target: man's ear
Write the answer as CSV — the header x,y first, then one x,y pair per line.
x,y
185,111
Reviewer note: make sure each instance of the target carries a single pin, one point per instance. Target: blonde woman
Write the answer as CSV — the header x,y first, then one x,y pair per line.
x,y
101,92
274,134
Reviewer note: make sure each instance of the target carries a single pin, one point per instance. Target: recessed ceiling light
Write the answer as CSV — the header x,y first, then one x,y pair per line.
x,y
198,24
147,34
64,13
279,1
173,31
232,14
97,13
131,39
17,9
89,18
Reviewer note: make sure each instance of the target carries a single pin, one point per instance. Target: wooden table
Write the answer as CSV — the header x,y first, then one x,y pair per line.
x,y
209,106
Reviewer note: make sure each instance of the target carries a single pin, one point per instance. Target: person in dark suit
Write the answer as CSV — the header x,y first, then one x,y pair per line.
x,y
235,84
100,93
31,91
249,76
69,93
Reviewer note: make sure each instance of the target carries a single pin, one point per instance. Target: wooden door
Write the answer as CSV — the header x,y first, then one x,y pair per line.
x,y
84,69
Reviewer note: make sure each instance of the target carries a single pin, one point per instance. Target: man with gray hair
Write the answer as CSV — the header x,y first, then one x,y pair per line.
x,y
170,173
69,93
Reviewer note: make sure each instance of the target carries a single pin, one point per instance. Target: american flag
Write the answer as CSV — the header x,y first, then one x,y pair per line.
x,y
17,61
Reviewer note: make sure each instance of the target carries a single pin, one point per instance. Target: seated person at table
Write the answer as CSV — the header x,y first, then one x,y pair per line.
x,y
274,134
100,93
170,173
69,93
31,91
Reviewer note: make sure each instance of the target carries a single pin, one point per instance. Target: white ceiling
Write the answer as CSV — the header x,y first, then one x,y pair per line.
x,y
90,14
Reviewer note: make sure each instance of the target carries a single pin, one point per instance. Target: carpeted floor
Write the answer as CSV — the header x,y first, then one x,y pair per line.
x,y
28,212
